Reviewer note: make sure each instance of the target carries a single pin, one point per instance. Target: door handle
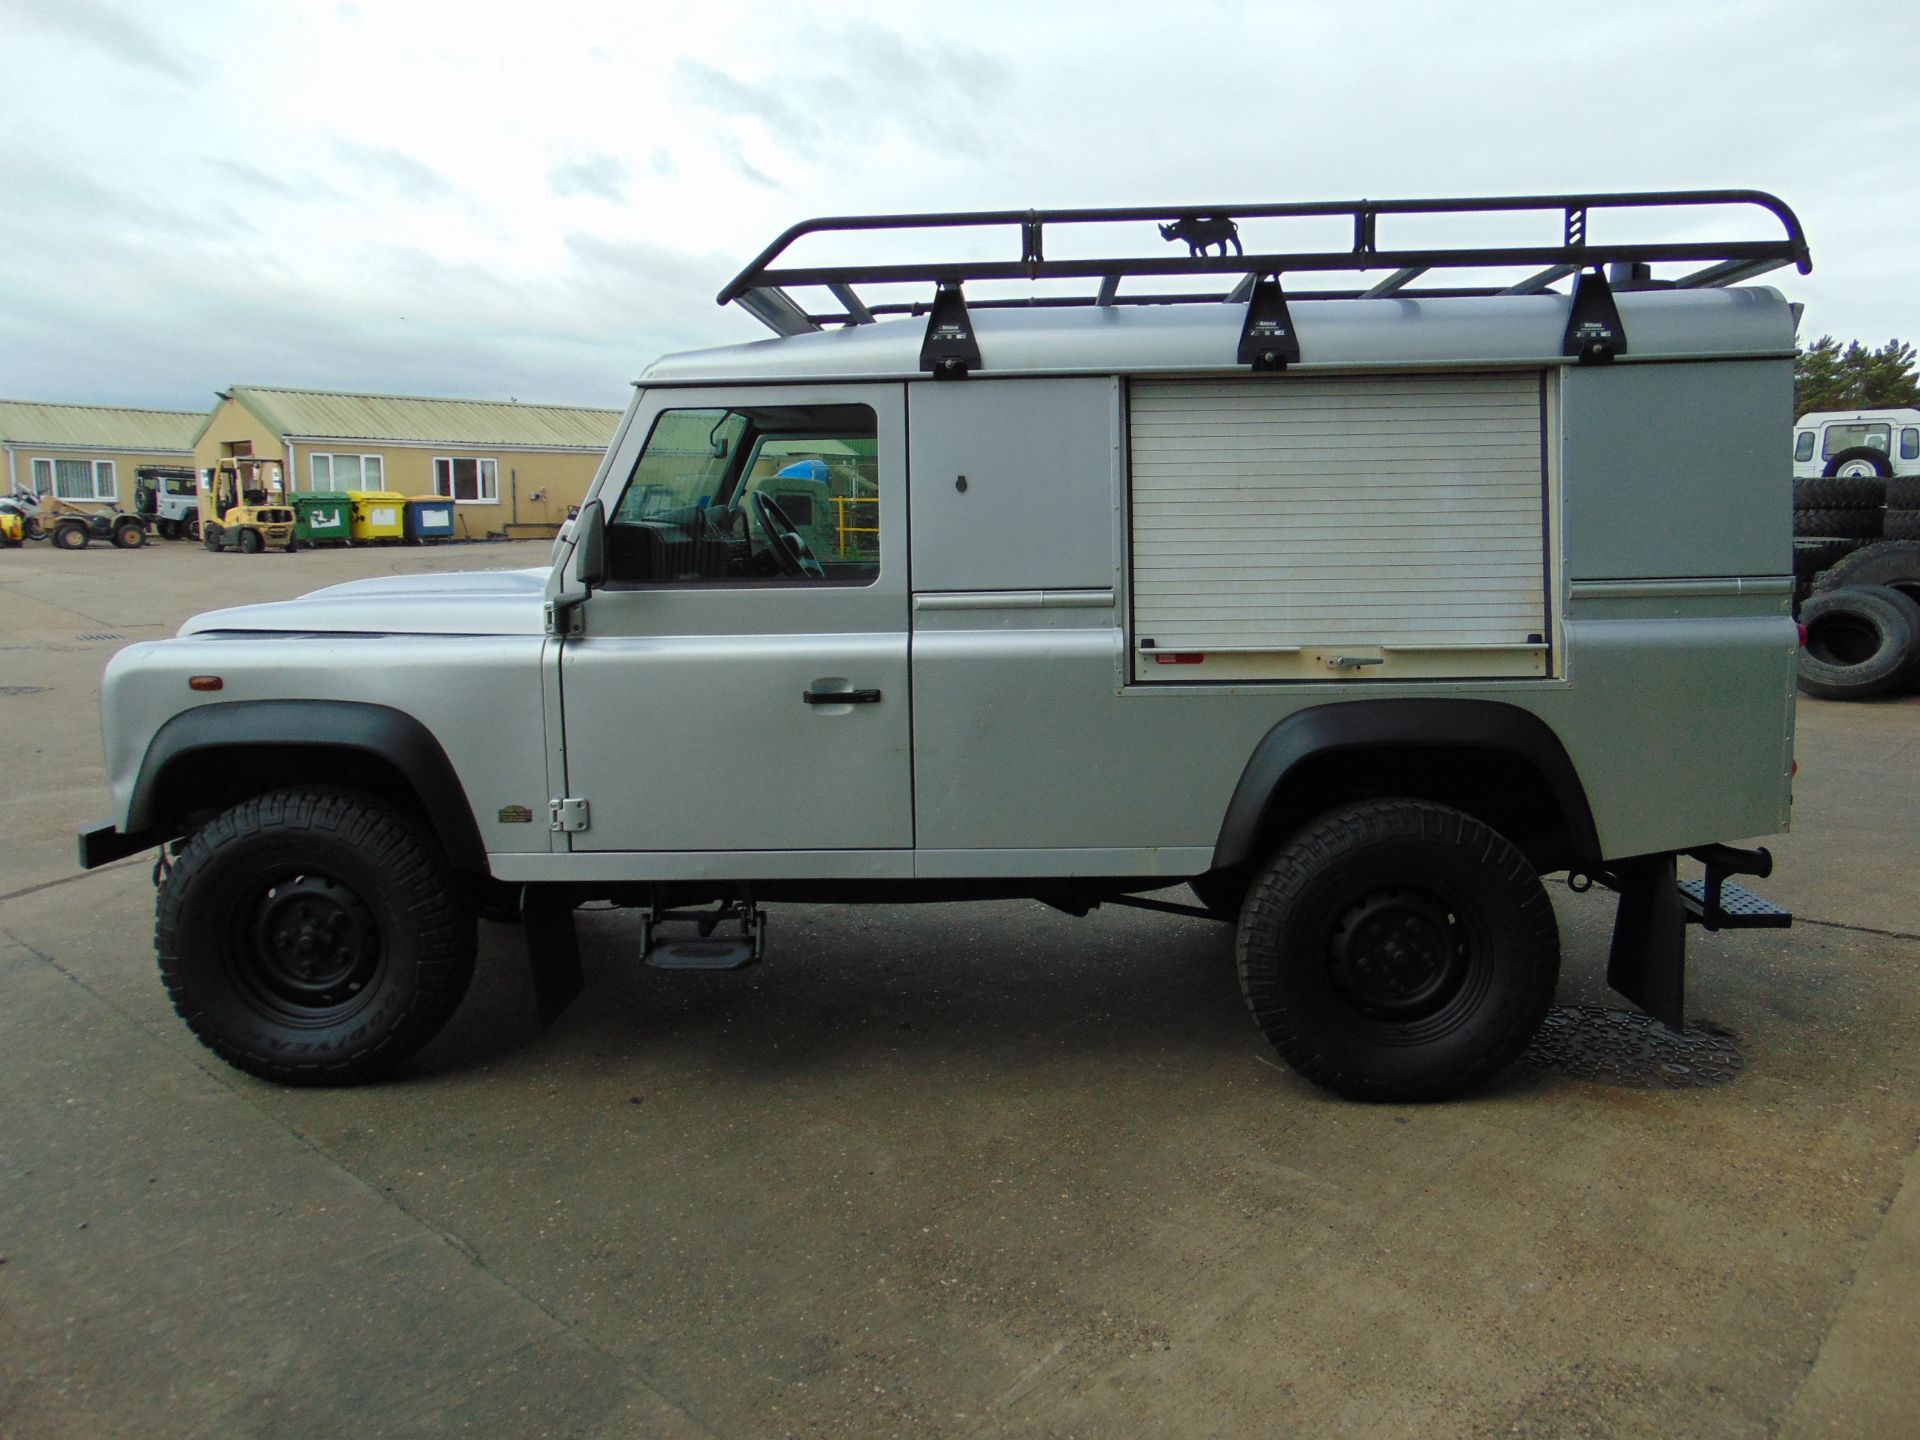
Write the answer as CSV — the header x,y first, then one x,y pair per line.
x,y
841,697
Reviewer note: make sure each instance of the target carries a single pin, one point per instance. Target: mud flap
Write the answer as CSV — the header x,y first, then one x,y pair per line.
x,y
1648,963
553,949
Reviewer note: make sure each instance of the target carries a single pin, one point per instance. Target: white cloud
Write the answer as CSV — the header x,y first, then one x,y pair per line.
x,y
228,191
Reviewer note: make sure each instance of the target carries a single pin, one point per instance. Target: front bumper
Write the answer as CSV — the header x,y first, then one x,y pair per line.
x,y
102,844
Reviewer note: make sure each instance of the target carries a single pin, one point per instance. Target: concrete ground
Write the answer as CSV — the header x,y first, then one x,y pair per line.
x,y
974,1170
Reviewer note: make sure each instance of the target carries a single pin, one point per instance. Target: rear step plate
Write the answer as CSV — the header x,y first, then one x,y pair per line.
x,y
696,954
1740,908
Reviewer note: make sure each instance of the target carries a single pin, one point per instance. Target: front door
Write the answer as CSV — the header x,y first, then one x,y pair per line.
x,y
741,684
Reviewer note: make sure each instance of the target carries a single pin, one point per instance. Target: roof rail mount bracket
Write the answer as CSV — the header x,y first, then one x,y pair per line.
x,y
1594,332
949,351
1267,340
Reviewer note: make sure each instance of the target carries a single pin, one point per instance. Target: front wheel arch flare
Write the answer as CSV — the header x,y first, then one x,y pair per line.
x,y
206,733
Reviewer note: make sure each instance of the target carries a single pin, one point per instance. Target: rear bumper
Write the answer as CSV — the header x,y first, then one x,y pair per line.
x,y
102,844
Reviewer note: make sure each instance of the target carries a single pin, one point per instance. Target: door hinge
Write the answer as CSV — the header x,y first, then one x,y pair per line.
x,y
568,815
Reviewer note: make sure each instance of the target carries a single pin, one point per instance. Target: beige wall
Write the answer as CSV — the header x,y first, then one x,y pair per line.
x,y
563,475
124,465
233,422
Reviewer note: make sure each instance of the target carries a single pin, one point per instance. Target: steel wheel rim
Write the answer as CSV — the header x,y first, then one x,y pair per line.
x,y
305,948
1407,959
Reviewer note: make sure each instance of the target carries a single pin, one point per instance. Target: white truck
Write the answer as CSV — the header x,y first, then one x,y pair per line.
x,y
1356,605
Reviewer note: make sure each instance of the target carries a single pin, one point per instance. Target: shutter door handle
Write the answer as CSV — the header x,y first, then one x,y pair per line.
x,y
842,697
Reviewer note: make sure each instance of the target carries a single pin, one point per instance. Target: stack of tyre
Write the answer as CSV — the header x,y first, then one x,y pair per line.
x,y
1856,565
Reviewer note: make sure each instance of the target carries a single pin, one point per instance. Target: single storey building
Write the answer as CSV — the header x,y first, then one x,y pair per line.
x,y
89,454
511,469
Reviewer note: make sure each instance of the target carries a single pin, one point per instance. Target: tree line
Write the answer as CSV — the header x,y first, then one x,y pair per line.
x,y
1827,377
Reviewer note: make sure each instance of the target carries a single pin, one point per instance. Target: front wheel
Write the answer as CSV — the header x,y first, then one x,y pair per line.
x,y
314,937
1398,950
71,535
251,543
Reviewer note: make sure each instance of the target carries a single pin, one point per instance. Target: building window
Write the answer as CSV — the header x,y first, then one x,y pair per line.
x,y
467,480
346,472
75,479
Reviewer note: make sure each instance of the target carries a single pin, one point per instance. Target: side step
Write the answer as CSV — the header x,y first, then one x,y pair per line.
x,y
1726,906
704,950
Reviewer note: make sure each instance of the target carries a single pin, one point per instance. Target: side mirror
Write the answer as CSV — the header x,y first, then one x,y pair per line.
x,y
590,546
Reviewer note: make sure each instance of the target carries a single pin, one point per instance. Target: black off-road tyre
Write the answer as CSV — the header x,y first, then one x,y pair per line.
x,y
315,937
1860,460
1894,563
1837,524
1840,492
1903,492
1398,950
1813,556
1862,642
71,535
1902,525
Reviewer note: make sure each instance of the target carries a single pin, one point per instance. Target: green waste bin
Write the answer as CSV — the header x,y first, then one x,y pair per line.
x,y
322,519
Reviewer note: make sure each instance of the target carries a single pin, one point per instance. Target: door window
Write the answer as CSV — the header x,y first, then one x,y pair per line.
x,y
751,495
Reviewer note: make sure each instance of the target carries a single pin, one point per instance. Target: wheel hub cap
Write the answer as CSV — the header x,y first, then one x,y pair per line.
x,y
1398,954
315,942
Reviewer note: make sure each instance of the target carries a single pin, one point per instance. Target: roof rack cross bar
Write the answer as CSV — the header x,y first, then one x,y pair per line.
x,y
1536,283
857,311
1398,280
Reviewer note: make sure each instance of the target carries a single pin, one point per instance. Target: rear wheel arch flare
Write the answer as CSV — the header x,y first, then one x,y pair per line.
x,y
1324,738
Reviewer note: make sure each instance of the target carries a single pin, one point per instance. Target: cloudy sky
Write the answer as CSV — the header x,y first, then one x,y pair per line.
x,y
536,199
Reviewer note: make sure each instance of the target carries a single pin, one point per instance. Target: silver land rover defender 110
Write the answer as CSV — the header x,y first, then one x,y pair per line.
x,y
1355,588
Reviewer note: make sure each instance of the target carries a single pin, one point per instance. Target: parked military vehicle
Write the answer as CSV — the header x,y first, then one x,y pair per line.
x,y
169,497
1351,589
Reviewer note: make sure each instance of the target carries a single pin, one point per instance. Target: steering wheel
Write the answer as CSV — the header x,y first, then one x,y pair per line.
x,y
789,546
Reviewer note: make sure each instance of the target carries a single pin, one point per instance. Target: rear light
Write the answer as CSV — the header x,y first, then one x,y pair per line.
x,y
1179,657
1803,635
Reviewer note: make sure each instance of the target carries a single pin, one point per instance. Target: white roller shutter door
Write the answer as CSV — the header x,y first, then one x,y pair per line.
x,y
1401,518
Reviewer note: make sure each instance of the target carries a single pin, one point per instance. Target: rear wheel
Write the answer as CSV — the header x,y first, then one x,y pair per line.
x,y
129,535
1398,950
314,937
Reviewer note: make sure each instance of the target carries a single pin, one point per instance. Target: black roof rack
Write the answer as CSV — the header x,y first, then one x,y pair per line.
x,y
762,288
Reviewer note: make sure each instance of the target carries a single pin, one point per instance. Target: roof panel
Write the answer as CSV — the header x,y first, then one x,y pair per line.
x,y
329,415
1403,332
104,427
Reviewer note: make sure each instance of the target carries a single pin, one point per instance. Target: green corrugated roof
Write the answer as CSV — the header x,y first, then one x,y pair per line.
x,y
104,427
331,415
